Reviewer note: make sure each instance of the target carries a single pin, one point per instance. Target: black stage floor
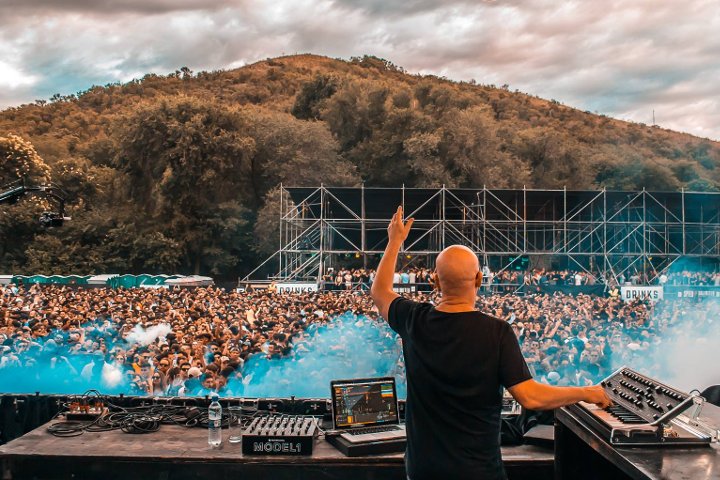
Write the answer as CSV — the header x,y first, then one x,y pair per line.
x,y
183,453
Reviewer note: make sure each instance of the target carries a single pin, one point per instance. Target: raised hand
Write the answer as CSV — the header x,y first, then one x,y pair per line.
x,y
398,230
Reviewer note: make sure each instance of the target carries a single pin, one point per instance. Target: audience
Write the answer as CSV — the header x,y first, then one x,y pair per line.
x,y
194,341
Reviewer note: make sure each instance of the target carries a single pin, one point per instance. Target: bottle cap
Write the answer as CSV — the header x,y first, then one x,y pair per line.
x,y
214,397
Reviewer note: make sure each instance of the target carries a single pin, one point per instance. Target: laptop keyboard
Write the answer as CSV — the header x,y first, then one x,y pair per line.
x,y
363,431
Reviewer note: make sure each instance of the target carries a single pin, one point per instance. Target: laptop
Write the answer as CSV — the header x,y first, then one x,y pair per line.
x,y
366,410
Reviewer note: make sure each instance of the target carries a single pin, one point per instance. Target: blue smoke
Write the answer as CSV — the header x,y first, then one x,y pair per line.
x,y
55,364
351,346
681,349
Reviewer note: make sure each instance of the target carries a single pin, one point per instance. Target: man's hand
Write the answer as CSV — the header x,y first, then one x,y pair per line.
x,y
382,287
398,230
597,395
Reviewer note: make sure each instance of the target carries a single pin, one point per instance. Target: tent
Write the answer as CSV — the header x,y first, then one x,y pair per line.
x,y
142,280
190,281
52,279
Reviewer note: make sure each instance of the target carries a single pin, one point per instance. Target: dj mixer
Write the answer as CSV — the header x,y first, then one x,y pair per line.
x,y
280,435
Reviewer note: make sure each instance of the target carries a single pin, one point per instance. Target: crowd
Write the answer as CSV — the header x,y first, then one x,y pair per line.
x,y
362,278
509,280
504,281
687,277
194,341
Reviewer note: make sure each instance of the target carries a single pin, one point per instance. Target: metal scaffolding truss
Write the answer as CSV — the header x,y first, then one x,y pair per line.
x,y
607,232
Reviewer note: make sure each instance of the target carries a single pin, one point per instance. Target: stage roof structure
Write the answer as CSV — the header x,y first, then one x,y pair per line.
x,y
606,232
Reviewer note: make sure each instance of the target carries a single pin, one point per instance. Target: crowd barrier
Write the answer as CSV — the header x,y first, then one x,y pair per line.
x,y
483,290
692,291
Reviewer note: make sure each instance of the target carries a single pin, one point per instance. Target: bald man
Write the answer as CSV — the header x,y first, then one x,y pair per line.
x,y
457,361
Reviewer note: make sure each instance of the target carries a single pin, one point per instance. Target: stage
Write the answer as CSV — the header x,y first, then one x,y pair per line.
x,y
182,453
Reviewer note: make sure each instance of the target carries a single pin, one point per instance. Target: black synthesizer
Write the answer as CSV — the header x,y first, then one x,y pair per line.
x,y
279,435
646,412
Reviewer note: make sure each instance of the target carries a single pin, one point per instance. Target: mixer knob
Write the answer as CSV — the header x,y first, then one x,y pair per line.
x,y
603,384
669,406
656,416
639,397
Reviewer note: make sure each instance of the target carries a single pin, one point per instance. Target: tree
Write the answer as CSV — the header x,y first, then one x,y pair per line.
x,y
291,151
185,157
19,160
555,161
267,226
473,152
309,100
19,222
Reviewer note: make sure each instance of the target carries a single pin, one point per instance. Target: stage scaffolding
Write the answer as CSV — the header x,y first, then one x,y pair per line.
x,y
608,233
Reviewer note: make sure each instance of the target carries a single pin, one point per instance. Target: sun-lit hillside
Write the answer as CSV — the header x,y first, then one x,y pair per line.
x,y
129,154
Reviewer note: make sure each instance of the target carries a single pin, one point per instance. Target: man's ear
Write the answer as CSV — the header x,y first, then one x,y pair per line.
x,y
478,279
435,282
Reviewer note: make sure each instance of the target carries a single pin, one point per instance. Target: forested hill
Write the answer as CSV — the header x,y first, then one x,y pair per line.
x,y
177,173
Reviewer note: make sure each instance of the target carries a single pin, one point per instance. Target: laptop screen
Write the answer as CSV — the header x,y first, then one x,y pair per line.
x,y
358,403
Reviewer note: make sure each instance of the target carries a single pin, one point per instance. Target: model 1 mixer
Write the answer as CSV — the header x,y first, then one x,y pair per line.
x,y
646,412
279,435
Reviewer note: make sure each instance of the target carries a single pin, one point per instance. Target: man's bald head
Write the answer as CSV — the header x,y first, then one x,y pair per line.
x,y
457,269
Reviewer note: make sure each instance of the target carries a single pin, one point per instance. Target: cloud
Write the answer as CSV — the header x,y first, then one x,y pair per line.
x,y
623,59
49,7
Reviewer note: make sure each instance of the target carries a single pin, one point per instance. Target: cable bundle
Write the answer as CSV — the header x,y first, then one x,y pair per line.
x,y
140,419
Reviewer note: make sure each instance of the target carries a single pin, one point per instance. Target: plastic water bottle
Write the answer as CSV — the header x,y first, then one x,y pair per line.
x,y
214,422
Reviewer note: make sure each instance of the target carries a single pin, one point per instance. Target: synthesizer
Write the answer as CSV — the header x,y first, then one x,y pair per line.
x,y
279,435
646,412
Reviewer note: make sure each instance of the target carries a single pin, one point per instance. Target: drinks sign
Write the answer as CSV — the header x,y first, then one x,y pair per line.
x,y
297,287
638,292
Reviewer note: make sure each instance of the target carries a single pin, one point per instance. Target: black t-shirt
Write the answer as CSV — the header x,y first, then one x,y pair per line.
x,y
456,364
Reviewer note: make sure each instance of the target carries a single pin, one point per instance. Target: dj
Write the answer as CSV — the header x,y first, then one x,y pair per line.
x,y
457,361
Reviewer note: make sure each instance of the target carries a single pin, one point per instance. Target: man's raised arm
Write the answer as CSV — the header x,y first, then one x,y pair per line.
x,y
382,288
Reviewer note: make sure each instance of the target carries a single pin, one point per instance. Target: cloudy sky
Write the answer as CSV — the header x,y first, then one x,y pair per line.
x,y
620,58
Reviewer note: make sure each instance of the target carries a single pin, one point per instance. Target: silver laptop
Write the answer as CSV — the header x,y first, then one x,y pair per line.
x,y
366,410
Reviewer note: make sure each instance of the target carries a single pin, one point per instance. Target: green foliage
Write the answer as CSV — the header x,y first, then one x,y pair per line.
x,y
19,160
309,100
184,158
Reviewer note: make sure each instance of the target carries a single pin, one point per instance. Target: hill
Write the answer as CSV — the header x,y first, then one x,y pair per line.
x,y
177,172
